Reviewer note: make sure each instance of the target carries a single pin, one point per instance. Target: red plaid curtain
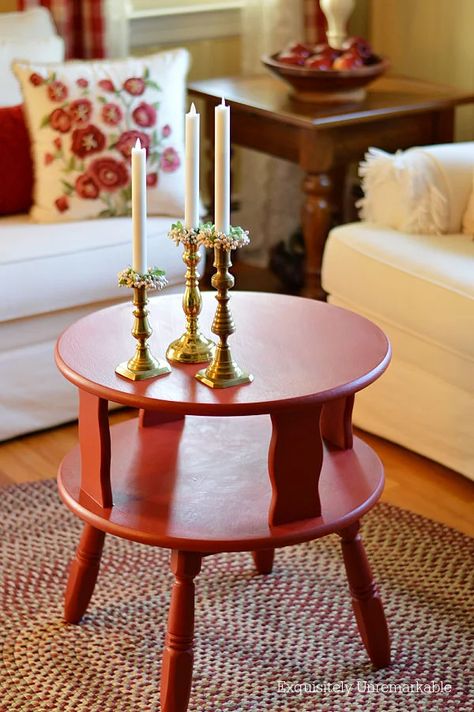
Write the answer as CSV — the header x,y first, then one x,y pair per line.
x,y
81,23
314,22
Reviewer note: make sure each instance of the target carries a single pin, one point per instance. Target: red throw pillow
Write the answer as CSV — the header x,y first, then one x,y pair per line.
x,y
16,166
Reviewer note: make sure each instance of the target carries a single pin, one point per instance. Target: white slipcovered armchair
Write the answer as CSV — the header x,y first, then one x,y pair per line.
x,y
419,288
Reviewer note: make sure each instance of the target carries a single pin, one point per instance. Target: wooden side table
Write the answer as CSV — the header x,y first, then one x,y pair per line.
x,y
397,113
250,468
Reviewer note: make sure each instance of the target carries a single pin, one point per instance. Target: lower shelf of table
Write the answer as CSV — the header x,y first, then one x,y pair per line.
x,y
201,484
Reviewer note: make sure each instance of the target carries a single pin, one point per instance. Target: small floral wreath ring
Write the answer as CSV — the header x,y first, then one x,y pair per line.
x,y
207,235
182,235
153,278
235,238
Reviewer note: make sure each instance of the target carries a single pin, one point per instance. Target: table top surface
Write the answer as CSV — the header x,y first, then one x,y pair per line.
x,y
299,351
386,97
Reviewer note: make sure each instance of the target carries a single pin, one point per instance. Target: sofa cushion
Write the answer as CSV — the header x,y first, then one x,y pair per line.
x,y
15,195
422,284
46,268
84,118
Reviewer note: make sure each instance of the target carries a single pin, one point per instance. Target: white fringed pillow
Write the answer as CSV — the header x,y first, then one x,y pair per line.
x,y
84,118
405,191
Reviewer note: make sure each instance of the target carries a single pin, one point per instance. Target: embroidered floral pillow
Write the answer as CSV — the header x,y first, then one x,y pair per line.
x,y
84,118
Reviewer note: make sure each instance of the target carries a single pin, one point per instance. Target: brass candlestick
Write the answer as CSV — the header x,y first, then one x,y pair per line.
x,y
223,371
192,346
143,365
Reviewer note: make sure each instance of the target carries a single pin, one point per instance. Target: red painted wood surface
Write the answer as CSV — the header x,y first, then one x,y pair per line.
x,y
294,464
177,667
94,438
298,350
336,422
366,600
83,573
202,484
263,560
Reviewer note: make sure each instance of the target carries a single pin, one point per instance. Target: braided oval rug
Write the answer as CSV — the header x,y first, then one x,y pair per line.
x,y
276,643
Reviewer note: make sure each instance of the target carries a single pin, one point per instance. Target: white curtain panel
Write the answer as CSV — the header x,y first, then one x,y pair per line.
x,y
270,188
117,28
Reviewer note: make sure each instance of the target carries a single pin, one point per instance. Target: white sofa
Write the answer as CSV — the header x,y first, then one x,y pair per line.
x,y
419,288
52,274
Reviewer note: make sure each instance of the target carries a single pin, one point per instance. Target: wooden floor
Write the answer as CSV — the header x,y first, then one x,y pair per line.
x,y
412,481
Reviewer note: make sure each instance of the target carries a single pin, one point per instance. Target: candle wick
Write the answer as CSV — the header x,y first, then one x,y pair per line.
x,y
223,102
192,110
138,145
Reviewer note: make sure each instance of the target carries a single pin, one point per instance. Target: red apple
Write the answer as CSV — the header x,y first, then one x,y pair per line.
x,y
347,60
290,58
318,62
325,50
359,45
299,48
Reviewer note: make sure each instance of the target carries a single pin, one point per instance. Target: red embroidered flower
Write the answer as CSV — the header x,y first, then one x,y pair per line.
x,y
170,160
58,143
62,203
60,120
48,158
36,79
144,115
166,131
135,86
128,140
106,85
109,173
87,141
57,91
151,180
81,111
83,83
87,187
112,114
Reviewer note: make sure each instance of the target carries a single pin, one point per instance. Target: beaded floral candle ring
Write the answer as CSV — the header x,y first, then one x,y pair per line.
x,y
192,346
223,371
143,364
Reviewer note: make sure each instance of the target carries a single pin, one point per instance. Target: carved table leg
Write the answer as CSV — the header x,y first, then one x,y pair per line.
x,y
366,600
316,220
83,573
177,668
295,458
263,560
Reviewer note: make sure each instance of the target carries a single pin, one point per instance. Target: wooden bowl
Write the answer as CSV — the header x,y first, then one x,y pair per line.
x,y
328,86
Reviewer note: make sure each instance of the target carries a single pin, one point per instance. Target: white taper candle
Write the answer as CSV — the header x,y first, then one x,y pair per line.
x,y
191,207
139,255
222,168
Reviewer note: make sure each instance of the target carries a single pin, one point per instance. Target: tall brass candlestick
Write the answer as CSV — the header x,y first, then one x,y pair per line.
x,y
223,371
143,364
192,346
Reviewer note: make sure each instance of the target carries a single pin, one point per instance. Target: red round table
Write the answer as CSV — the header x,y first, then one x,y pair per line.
x,y
284,468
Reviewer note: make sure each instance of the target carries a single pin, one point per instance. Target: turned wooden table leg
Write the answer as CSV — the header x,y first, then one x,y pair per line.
x,y
263,560
177,667
366,600
316,220
83,573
